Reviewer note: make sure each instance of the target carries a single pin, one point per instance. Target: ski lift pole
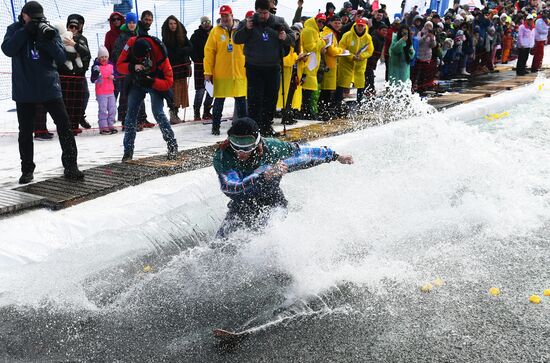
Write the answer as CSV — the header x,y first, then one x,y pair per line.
x,y
137,11
13,12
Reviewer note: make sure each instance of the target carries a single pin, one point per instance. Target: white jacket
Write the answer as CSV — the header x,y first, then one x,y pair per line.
x,y
541,30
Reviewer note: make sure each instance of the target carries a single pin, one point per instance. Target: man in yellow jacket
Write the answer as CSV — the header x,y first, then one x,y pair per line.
x,y
331,32
351,69
224,66
311,42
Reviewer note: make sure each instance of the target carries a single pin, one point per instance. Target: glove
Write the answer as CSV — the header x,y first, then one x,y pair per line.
x,y
31,27
95,68
146,82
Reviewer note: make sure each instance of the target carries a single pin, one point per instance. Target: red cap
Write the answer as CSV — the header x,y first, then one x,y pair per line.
x,y
321,16
249,14
225,9
361,21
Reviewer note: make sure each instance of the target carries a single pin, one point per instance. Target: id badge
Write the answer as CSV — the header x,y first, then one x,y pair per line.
x,y
34,54
230,47
265,36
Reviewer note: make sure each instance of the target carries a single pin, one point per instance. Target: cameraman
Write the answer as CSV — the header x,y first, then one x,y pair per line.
x,y
267,39
145,60
35,48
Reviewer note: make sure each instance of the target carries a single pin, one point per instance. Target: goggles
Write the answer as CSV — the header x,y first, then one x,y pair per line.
x,y
244,144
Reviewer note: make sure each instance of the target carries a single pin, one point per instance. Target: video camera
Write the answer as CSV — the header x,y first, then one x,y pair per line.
x,y
44,28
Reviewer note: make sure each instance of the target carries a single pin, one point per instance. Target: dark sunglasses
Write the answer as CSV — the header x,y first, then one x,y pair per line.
x,y
115,19
321,22
73,26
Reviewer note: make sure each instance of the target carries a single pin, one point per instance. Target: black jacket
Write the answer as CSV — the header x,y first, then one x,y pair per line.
x,y
262,47
179,55
198,40
34,79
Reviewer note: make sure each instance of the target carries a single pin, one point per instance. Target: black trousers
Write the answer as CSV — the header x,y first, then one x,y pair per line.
x,y
523,55
263,91
26,115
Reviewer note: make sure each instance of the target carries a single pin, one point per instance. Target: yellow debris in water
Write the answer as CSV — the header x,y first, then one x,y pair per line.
x,y
546,292
147,268
534,299
427,287
495,291
438,282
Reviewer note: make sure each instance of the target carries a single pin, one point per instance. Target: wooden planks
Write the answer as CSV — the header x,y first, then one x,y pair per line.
x,y
12,201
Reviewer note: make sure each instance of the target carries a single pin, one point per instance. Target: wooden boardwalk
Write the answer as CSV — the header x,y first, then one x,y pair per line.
x,y
57,193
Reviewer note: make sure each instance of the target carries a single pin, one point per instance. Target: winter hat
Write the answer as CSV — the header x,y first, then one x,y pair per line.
x,y
33,9
244,126
429,25
141,48
529,17
300,26
347,5
448,43
205,19
102,52
330,6
131,18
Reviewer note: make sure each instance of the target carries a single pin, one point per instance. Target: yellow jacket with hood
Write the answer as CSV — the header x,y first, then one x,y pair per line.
x,y
224,60
349,69
311,42
331,60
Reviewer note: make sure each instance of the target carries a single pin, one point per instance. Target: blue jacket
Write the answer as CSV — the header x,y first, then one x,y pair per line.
x,y
34,65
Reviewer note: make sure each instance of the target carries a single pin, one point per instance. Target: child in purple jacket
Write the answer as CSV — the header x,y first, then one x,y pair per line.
x,y
103,76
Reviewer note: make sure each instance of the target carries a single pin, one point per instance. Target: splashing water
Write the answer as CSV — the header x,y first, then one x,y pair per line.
x,y
338,277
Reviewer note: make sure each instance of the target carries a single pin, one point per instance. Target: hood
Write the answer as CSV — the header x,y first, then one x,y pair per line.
x,y
312,24
117,14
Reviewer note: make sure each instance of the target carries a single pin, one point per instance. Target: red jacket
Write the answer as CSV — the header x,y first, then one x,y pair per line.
x,y
161,69
110,37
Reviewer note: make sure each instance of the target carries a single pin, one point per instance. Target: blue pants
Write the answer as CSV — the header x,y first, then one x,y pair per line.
x,y
135,98
240,108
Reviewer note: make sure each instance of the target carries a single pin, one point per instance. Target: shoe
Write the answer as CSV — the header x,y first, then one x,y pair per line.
x,y
289,122
196,114
85,124
73,173
26,177
128,155
172,152
43,136
215,129
139,128
113,131
464,73
105,132
148,125
77,131
174,118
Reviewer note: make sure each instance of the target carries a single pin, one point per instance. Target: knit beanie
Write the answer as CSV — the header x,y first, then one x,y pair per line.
x,y
33,9
131,18
102,52
244,126
140,48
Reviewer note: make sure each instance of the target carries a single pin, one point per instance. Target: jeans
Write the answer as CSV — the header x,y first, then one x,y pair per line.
x,y
26,115
240,109
135,99
263,92
199,94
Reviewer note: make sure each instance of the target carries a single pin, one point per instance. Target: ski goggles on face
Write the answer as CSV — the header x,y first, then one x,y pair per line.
x,y
244,144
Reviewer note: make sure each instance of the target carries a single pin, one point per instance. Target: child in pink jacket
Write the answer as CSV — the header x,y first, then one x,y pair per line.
x,y
103,76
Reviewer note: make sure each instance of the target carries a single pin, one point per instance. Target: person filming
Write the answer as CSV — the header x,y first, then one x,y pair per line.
x,y
35,49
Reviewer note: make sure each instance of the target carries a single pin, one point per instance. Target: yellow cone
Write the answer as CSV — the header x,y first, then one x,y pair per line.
x,y
495,291
534,299
147,268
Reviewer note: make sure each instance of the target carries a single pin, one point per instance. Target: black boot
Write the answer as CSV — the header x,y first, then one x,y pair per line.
x,y
128,155
215,129
197,113
172,152
72,172
26,177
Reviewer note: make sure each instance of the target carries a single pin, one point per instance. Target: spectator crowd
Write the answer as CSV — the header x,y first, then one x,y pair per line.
x,y
305,69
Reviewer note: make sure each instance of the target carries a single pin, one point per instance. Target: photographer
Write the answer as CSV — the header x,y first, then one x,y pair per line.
x,y
35,48
145,60
267,39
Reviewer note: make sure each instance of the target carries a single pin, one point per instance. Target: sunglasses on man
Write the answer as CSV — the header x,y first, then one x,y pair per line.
x,y
73,26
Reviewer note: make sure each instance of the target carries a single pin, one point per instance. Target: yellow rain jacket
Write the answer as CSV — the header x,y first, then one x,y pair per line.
x,y
227,67
288,63
311,41
350,70
331,60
